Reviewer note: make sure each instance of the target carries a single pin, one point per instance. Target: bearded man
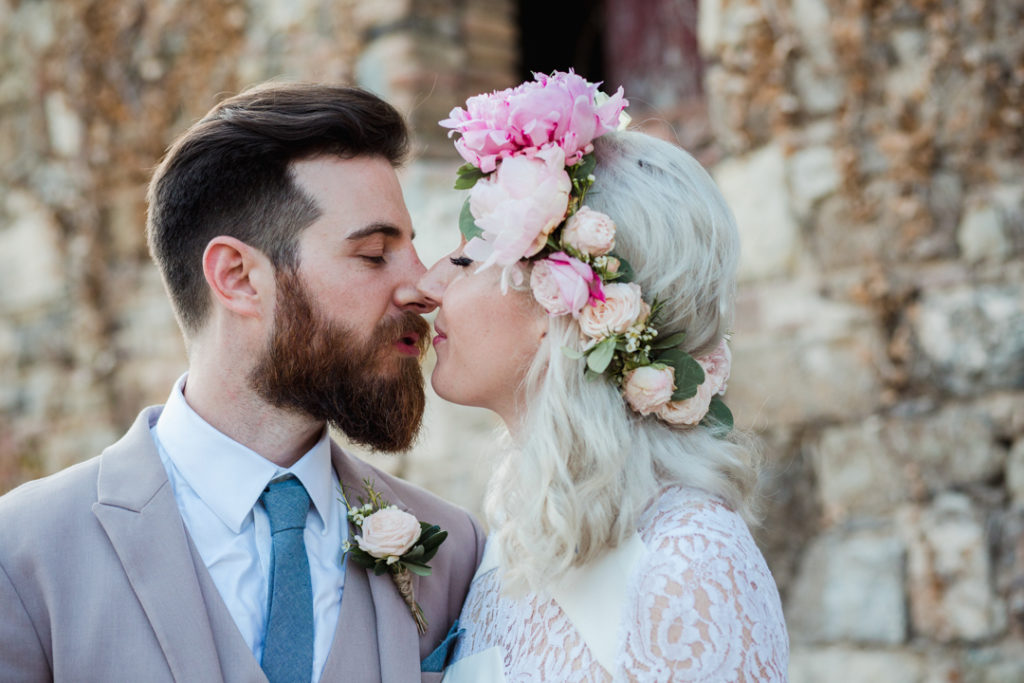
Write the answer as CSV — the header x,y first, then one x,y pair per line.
x,y
208,544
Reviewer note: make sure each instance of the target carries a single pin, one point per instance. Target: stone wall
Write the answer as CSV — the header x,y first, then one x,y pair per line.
x,y
873,159
871,152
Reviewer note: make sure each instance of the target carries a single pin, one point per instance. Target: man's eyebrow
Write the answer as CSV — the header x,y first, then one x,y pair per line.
x,y
385,229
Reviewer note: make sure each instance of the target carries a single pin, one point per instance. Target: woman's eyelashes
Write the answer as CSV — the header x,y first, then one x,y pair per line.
x,y
460,261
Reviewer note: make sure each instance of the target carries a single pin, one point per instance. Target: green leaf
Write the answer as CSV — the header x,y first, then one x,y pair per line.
x,y
625,272
433,540
572,353
669,341
689,373
585,167
418,569
719,416
467,176
416,553
467,225
601,355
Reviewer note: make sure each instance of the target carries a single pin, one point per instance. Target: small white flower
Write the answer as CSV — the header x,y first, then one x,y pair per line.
x,y
392,559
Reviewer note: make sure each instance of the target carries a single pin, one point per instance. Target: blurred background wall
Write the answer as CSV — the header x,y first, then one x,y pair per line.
x,y
872,152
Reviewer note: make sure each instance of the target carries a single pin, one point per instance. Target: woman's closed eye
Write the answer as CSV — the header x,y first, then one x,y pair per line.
x,y
460,261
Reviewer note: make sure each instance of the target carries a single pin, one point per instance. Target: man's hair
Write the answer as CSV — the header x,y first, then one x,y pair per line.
x,y
229,174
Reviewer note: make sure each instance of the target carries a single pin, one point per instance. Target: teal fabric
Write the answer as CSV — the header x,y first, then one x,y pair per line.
x,y
437,660
288,647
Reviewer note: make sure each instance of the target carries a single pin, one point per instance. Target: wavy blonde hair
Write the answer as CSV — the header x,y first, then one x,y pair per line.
x,y
585,466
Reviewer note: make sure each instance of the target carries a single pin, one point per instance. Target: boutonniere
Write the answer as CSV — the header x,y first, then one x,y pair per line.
x,y
393,541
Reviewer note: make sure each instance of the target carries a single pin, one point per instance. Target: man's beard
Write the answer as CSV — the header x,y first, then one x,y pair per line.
x,y
322,369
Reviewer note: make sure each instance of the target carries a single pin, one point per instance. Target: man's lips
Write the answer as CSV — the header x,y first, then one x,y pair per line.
x,y
409,344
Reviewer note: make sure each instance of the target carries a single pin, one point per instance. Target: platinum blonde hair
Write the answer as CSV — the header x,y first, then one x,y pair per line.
x,y
585,466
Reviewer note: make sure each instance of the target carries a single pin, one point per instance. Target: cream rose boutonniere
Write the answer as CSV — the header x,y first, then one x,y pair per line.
x,y
393,541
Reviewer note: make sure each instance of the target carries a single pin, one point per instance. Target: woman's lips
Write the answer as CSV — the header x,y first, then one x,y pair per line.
x,y
440,336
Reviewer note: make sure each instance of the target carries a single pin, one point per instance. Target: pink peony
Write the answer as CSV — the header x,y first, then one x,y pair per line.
x,y
389,532
623,306
518,206
589,232
648,388
563,284
563,110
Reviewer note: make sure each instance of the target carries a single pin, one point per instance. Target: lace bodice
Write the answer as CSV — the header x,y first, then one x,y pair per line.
x,y
700,605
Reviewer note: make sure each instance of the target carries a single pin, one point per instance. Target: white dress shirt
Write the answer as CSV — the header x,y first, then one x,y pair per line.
x,y
217,483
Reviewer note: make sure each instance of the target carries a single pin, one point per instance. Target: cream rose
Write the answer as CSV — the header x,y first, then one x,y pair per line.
x,y
689,411
716,373
590,232
388,532
622,307
648,388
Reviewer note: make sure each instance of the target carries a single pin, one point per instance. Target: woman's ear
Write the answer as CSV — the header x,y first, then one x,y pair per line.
x,y
240,276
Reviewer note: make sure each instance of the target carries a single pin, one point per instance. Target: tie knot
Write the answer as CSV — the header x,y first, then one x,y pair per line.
x,y
287,503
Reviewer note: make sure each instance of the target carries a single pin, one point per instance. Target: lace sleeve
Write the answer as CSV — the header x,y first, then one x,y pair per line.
x,y
704,605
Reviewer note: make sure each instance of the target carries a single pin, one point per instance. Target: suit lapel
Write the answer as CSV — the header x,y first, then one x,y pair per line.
x,y
373,614
136,508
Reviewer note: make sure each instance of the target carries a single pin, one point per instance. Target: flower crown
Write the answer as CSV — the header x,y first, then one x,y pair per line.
x,y
530,163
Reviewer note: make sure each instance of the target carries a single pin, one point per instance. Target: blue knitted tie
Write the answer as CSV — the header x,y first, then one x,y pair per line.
x,y
288,647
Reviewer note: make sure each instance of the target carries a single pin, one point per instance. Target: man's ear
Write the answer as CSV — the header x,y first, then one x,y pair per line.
x,y
240,276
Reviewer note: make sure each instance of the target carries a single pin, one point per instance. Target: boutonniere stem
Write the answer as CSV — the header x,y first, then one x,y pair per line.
x,y
391,540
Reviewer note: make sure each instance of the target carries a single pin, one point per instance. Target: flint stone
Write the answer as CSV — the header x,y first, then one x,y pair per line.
x,y
850,588
807,665
949,572
31,276
813,175
971,339
754,187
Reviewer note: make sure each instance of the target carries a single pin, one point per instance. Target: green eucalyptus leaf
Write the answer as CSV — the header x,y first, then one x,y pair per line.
x,y
590,375
571,353
689,373
719,416
601,355
418,569
381,568
668,342
467,225
416,553
431,543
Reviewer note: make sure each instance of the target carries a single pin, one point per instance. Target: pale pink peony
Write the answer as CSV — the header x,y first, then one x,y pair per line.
x,y
563,110
563,284
716,366
518,206
716,374
623,306
388,533
589,232
648,388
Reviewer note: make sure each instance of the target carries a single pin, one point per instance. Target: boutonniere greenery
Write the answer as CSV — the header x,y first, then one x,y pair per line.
x,y
393,541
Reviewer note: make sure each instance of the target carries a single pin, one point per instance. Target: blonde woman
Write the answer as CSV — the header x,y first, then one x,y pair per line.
x,y
588,304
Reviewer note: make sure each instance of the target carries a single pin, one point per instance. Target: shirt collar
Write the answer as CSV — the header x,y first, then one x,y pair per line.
x,y
230,477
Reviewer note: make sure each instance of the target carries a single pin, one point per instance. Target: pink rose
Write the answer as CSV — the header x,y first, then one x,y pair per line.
x,y
518,206
716,373
388,533
648,388
563,284
590,232
622,307
562,110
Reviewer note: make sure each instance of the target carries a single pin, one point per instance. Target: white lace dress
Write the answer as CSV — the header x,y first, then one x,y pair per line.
x,y
689,598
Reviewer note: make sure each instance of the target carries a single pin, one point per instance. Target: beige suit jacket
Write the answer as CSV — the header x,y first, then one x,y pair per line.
x,y
99,581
